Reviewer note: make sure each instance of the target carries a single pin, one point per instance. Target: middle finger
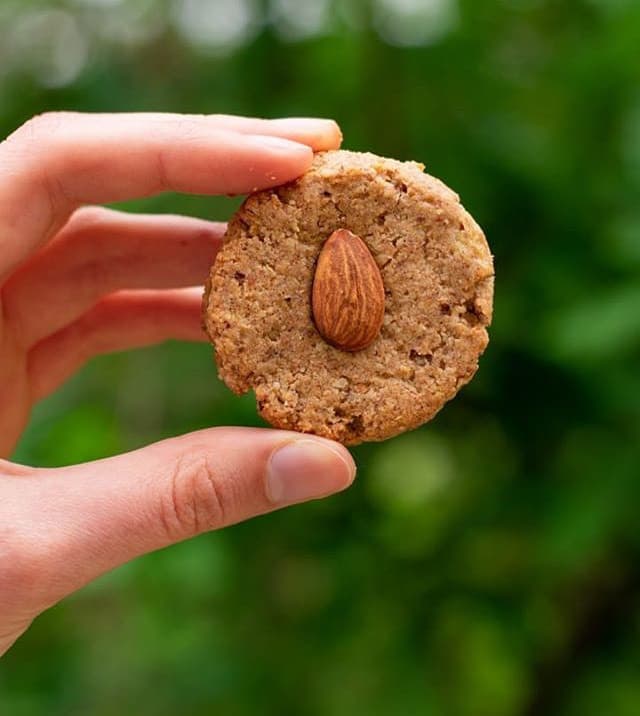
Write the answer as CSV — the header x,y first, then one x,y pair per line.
x,y
101,251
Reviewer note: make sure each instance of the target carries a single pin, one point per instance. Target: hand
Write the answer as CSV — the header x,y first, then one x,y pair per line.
x,y
77,282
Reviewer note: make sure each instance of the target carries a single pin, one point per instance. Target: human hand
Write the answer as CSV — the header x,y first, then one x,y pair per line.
x,y
77,282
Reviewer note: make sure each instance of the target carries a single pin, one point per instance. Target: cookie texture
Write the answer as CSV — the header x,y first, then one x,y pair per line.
x,y
437,272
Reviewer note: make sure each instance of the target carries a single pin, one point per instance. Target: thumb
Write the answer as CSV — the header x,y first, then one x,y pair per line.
x,y
80,521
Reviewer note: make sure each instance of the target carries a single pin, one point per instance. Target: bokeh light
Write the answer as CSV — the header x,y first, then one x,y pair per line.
x,y
48,43
414,22
300,19
216,25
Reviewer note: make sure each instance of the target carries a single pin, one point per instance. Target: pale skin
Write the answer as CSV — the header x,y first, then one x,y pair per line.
x,y
77,281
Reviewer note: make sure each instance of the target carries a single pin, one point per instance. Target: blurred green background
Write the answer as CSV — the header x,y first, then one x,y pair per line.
x,y
484,565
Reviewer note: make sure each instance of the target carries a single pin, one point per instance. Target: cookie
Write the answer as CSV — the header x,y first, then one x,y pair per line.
x,y
437,290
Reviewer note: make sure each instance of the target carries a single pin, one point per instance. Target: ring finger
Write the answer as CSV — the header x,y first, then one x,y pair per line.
x,y
121,321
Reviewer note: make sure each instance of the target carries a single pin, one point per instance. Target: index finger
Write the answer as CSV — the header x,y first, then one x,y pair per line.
x,y
56,162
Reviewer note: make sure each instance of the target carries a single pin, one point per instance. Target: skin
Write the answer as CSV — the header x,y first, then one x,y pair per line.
x,y
77,281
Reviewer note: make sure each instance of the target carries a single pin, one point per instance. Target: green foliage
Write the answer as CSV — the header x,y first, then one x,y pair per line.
x,y
484,565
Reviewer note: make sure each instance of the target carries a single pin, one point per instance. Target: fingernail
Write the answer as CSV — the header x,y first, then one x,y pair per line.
x,y
278,144
307,469
321,134
308,124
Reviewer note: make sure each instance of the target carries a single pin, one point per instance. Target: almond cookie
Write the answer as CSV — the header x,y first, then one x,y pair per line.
x,y
354,301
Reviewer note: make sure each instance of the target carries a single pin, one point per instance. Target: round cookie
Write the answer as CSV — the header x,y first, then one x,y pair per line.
x,y
437,272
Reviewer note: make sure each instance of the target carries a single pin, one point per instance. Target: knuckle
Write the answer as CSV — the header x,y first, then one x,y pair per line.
x,y
39,126
188,127
94,273
88,218
12,469
44,135
199,499
87,245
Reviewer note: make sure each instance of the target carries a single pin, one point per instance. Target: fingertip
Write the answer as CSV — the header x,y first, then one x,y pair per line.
x,y
319,134
308,468
342,452
333,136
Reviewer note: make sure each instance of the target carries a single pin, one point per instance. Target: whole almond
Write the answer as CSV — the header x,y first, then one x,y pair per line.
x,y
348,293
